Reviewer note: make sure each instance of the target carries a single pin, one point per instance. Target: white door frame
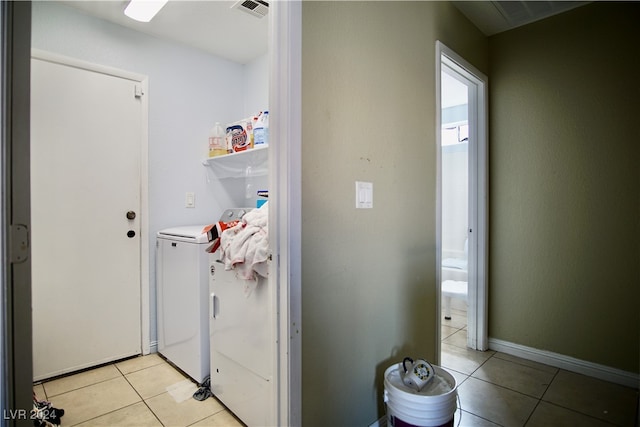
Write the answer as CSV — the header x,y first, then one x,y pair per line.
x,y
285,201
145,321
477,330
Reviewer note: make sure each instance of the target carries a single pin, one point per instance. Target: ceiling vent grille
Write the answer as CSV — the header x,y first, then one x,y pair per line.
x,y
522,12
257,8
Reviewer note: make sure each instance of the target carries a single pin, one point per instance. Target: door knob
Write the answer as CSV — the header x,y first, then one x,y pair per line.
x,y
131,215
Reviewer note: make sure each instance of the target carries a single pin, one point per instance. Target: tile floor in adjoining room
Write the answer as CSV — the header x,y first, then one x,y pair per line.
x,y
495,389
498,389
142,392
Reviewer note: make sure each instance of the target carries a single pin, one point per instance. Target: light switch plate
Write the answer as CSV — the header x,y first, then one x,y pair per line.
x,y
190,200
364,195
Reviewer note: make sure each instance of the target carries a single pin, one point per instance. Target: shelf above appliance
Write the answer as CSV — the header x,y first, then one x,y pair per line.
x,y
243,164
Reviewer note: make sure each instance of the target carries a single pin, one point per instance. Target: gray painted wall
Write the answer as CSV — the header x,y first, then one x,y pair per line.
x,y
188,91
368,276
564,174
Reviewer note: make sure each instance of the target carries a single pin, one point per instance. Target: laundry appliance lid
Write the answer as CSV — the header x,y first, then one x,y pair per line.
x,y
187,233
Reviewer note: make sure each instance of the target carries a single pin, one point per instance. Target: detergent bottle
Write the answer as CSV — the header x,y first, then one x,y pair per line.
x,y
261,130
217,143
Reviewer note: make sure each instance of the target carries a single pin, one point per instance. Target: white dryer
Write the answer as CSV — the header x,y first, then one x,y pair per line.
x,y
182,266
242,337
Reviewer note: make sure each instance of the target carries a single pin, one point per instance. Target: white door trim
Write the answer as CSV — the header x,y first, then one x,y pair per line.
x,y
285,214
145,321
477,333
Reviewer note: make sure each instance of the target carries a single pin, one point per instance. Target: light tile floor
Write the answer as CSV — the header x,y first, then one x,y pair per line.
x,y
142,392
497,389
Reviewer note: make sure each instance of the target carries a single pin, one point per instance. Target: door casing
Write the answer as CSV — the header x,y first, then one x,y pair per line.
x,y
285,205
285,98
477,330
16,390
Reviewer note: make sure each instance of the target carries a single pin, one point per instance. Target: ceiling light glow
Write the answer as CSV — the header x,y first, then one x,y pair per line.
x,y
144,10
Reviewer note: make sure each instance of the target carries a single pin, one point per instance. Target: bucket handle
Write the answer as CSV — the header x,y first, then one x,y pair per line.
x,y
404,363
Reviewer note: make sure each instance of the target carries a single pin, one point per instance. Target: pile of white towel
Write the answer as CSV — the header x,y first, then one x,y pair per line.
x,y
245,246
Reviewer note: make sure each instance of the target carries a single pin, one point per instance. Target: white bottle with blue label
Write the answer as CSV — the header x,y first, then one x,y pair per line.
x,y
261,130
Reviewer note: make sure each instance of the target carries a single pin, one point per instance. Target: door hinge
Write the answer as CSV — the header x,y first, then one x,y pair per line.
x,y
18,243
137,91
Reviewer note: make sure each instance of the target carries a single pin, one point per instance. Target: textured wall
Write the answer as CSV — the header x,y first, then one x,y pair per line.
x,y
368,280
565,230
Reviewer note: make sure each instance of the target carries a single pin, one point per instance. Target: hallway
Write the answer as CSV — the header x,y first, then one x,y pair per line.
x,y
497,389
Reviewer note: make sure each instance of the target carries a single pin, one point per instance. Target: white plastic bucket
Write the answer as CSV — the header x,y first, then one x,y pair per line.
x,y
433,406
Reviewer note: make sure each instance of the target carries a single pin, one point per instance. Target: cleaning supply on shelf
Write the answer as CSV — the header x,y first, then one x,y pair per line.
x,y
241,135
217,143
261,130
237,134
228,138
249,130
262,193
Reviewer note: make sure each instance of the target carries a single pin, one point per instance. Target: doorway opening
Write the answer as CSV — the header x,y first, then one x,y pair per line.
x,y
461,201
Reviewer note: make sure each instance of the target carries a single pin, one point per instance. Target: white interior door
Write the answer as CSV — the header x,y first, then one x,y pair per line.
x,y
86,132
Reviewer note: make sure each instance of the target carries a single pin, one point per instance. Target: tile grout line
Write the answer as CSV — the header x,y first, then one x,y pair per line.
x,y
532,411
121,374
102,415
580,413
507,388
575,411
481,365
40,383
142,399
550,382
471,376
75,389
537,368
224,408
481,417
115,410
537,399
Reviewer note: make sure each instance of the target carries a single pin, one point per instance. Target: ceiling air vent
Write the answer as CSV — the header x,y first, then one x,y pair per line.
x,y
258,8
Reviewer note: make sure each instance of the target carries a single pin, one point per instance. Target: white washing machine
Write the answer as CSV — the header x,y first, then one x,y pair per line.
x,y
242,336
182,266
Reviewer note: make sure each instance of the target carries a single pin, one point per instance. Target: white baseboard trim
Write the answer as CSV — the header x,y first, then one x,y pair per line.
x,y
153,347
618,376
